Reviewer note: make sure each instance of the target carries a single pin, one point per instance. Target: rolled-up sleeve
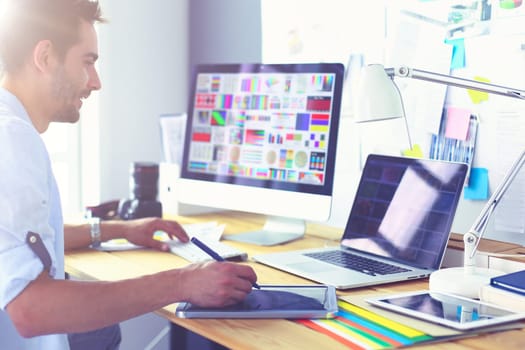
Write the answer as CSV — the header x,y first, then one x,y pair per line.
x,y
24,206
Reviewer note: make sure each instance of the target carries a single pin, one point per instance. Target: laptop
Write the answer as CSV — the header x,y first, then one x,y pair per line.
x,y
398,227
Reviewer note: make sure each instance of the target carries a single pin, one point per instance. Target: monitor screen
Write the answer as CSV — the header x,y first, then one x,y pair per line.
x,y
263,133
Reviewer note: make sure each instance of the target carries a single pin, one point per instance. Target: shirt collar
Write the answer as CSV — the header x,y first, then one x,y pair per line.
x,y
14,104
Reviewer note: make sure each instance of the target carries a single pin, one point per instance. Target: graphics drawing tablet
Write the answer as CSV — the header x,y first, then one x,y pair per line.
x,y
273,301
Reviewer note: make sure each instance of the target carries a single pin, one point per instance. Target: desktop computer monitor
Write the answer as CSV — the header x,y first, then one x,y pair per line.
x,y
262,138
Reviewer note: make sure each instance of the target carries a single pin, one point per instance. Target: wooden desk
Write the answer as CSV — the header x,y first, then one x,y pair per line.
x,y
254,334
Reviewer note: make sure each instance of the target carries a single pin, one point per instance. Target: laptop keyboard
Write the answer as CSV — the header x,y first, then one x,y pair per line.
x,y
356,262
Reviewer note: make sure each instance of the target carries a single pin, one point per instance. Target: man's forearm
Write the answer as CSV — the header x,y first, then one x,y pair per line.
x,y
55,306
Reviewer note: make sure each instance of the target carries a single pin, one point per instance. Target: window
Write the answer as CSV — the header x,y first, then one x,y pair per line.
x,y
331,30
62,141
73,149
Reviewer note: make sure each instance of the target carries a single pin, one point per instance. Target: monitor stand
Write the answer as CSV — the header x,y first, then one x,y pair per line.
x,y
276,230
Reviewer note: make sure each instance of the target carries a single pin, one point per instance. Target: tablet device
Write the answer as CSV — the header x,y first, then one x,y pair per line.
x,y
273,301
447,309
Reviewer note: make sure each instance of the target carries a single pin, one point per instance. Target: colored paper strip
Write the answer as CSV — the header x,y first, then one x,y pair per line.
x,y
326,331
360,336
358,328
387,332
378,335
355,338
398,327
366,335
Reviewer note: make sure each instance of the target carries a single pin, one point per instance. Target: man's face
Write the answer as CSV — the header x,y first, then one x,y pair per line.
x,y
77,77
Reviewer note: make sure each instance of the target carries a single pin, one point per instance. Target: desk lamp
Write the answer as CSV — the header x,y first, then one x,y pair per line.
x,y
468,279
380,99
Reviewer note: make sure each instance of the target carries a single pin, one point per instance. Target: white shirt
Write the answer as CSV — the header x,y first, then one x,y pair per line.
x,y
29,201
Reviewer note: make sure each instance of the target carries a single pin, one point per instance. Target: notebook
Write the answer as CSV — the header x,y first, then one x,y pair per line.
x,y
514,282
398,226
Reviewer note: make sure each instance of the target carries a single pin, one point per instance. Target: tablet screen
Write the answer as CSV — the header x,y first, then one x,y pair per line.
x,y
447,309
272,301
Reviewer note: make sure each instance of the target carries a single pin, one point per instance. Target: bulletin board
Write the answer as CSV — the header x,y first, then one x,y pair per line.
x,y
481,46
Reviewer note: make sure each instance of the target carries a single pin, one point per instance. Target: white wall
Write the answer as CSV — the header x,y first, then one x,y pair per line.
x,y
144,72
225,31
146,52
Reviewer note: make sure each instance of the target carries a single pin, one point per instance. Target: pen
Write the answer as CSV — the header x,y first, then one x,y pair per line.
x,y
213,254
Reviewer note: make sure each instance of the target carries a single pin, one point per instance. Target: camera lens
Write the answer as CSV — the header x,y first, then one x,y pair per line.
x,y
144,177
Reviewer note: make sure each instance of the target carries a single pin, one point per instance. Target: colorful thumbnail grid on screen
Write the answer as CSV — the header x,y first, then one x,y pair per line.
x,y
264,126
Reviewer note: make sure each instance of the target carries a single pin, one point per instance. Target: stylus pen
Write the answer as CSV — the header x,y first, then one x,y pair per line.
x,y
213,254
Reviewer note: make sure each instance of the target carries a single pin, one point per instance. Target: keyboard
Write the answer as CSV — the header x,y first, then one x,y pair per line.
x,y
356,262
192,253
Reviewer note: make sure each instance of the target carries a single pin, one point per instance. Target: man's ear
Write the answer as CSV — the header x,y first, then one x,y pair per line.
x,y
43,55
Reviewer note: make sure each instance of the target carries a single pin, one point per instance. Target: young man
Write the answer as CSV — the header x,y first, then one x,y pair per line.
x,y
48,49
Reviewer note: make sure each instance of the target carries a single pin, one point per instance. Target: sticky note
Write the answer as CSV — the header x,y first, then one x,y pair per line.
x,y
457,123
458,53
478,188
478,96
415,152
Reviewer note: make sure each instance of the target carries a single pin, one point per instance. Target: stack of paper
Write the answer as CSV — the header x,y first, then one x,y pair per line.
x,y
208,231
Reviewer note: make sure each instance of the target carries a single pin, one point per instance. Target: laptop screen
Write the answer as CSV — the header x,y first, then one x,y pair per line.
x,y
404,209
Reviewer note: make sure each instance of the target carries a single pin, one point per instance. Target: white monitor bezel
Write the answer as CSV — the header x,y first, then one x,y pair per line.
x,y
299,201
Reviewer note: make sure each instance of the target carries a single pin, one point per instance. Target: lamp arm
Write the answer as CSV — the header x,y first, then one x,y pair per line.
x,y
407,72
474,235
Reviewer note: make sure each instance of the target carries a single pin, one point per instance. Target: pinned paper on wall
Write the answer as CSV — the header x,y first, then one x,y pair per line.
x,y
172,127
457,123
478,188
458,53
423,101
478,96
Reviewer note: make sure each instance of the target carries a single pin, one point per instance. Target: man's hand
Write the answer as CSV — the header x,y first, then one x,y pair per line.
x,y
141,232
216,284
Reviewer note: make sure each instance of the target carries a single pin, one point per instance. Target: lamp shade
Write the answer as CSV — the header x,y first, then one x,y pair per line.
x,y
377,98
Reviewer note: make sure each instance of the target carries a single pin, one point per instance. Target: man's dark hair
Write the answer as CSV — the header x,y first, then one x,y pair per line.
x,y
24,23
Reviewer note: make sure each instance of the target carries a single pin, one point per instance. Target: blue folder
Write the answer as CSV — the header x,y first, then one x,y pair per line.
x,y
514,282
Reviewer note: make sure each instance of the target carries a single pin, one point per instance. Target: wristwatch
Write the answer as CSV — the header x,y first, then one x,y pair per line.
x,y
95,232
